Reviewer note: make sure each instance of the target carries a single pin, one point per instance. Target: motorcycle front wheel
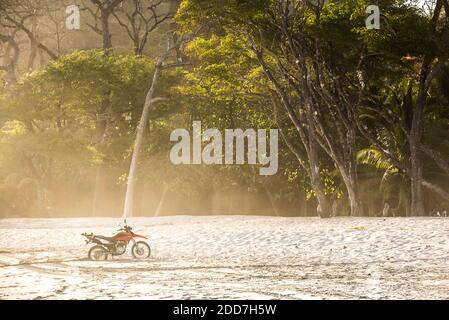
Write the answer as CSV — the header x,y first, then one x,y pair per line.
x,y
98,253
141,250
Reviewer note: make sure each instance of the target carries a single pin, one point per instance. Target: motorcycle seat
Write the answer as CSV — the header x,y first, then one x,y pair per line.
x,y
110,239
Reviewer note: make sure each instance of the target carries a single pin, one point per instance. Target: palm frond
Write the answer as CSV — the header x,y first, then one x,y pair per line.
x,y
374,158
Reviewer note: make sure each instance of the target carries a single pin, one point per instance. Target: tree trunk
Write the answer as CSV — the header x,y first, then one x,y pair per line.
x,y
311,146
440,160
416,177
324,208
272,202
101,132
417,203
41,198
107,43
309,141
416,166
10,62
98,191
438,190
354,200
352,185
33,46
128,207
102,122
349,177
161,201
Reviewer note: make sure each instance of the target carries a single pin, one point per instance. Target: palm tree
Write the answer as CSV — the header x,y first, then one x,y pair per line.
x,y
393,183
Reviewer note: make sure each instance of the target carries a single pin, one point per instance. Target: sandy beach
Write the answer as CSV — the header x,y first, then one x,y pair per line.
x,y
230,257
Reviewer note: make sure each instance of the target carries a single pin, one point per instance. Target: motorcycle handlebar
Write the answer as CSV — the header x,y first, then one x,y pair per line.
x,y
125,228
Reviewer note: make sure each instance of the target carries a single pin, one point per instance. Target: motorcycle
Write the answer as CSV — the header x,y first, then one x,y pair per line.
x,y
116,245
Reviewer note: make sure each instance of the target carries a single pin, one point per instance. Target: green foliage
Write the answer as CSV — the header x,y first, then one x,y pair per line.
x,y
80,112
54,117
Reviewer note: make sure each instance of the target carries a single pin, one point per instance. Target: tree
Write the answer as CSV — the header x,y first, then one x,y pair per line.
x,y
429,58
150,100
101,14
140,19
55,112
320,59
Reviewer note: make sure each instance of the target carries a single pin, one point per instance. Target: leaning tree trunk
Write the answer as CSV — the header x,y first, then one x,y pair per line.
x,y
128,207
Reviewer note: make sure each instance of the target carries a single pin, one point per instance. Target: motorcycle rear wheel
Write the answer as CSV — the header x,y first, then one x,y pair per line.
x,y
141,250
98,253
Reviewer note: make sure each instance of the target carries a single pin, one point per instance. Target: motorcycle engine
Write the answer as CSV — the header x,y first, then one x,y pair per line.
x,y
120,247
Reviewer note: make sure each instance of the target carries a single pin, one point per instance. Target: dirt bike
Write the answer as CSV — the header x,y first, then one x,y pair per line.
x,y
116,245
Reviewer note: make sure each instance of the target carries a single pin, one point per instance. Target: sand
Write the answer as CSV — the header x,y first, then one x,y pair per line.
x,y
230,257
